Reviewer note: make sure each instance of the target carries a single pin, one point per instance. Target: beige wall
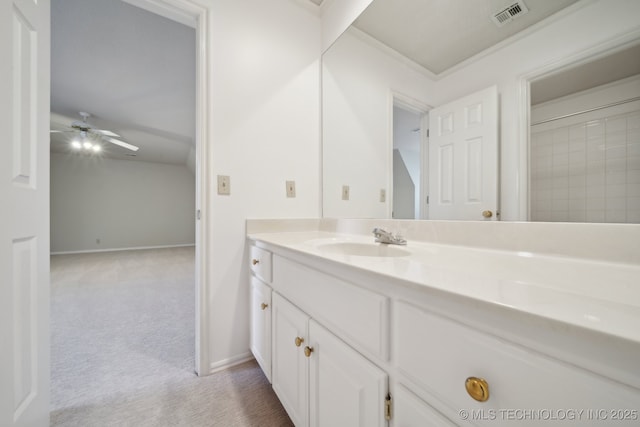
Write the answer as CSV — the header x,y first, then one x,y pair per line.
x,y
121,203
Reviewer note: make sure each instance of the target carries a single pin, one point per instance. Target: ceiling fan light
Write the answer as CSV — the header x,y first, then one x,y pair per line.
x,y
96,148
87,145
107,133
122,144
76,144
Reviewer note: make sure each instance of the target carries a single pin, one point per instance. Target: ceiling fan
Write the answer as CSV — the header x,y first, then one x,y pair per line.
x,y
90,136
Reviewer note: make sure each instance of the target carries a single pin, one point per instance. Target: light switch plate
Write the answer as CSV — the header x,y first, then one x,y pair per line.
x,y
383,195
345,192
224,185
291,189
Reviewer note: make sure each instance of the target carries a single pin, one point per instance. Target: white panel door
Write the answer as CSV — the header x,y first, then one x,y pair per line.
x,y
345,389
290,368
24,204
463,157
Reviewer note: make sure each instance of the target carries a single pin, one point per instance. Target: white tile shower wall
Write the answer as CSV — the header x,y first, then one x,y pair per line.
x,y
588,171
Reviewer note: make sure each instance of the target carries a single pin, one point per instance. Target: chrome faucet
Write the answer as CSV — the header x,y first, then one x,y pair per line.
x,y
383,236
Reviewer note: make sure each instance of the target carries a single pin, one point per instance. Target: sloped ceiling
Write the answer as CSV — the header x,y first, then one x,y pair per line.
x,y
134,71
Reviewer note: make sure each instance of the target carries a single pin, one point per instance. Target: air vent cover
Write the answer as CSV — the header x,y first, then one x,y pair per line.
x,y
510,13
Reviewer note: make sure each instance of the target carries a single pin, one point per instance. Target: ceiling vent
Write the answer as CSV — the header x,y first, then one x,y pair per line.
x,y
510,13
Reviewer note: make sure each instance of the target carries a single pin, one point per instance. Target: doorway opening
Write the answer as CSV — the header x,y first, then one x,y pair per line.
x,y
180,12
582,138
410,161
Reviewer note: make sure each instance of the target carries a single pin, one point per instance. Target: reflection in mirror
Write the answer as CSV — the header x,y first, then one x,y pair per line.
x,y
585,142
461,51
407,162
357,111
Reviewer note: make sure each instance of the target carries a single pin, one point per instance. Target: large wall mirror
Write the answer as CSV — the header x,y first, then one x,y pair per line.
x,y
567,113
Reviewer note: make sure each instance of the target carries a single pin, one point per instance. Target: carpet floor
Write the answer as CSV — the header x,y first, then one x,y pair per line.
x,y
122,348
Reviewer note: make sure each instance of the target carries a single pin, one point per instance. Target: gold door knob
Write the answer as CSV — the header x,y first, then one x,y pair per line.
x,y
477,388
255,261
264,305
307,351
487,214
299,341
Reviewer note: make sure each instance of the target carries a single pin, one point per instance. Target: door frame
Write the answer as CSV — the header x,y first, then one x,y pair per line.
x,y
524,107
197,16
411,104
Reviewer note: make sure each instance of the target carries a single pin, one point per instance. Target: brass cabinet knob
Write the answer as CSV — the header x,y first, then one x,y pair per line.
x,y
255,261
299,341
477,388
264,305
307,351
487,214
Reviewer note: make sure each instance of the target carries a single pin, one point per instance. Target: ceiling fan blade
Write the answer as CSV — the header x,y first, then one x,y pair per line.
x,y
122,144
106,132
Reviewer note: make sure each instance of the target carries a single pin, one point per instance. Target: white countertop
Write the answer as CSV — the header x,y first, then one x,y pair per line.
x,y
597,295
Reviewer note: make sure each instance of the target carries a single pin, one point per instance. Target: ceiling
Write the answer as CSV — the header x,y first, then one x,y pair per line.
x,y
439,34
134,71
615,66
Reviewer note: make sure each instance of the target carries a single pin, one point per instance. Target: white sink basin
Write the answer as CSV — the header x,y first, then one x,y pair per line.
x,y
363,249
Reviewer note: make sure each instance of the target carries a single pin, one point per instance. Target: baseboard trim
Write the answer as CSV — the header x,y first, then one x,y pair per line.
x,y
228,363
135,248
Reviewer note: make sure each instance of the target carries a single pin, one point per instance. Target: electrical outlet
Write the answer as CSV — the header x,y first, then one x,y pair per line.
x,y
383,195
291,189
224,185
345,192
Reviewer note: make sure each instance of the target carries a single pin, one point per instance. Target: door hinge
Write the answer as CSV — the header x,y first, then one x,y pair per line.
x,y
198,214
427,133
388,407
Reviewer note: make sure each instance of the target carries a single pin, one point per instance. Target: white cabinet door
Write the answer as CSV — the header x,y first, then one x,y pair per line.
x,y
463,157
290,368
261,325
24,220
346,390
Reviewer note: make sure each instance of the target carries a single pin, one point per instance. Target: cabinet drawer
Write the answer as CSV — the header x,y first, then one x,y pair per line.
x,y
435,356
411,411
260,263
358,316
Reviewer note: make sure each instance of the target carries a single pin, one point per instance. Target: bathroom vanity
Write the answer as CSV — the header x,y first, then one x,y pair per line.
x,y
447,330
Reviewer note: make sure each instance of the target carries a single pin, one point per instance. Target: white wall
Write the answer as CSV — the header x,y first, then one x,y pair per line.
x,y
264,130
595,23
408,142
122,203
337,15
358,85
404,189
